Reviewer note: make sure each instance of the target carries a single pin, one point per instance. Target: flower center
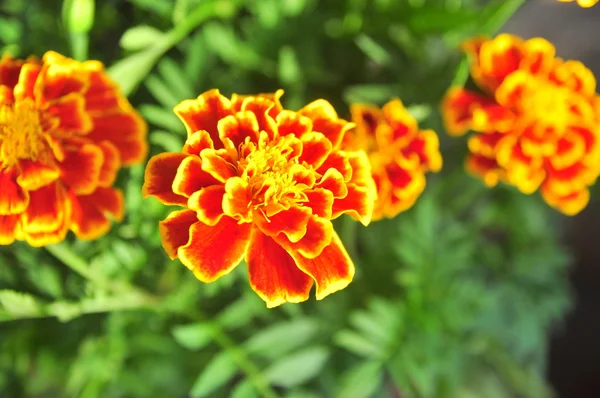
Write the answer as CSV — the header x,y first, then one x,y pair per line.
x,y
550,105
21,133
274,173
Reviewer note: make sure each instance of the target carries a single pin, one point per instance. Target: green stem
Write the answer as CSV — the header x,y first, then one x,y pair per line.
x,y
79,45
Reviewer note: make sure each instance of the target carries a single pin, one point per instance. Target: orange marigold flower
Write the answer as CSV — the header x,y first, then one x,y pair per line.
x,y
536,120
262,183
400,154
582,3
65,130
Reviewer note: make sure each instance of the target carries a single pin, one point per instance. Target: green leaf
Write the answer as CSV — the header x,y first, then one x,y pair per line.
x,y
162,118
369,93
361,381
244,389
139,37
194,336
18,303
216,373
168,141
174,76
419,112
373,50
79,15
130,71
297,368
281,338
357,344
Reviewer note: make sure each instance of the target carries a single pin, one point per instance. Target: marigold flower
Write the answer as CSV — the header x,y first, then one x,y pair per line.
x,y
262,183
65,130
400,154
536,120
582,3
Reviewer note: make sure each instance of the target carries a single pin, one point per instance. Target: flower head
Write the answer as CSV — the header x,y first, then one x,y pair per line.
x,y
262,183
536,120
65,130
400,154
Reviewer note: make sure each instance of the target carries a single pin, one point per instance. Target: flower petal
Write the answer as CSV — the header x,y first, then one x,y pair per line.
x,y
126,131
111,164
35,175
318,235
8,228
273,273
13,198
261,107
293,123
71,114
214,163
214,251
46,210
204,113
239,126
320,201
81,167
291,222
92,213
159,176
332,270
196,142
315,149
359,204
208,204
175,230
237,200
27,81
191,178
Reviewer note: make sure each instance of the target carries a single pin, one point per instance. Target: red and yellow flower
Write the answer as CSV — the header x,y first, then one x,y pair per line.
x,y
536,120
582,3
400,154
65,130
262,183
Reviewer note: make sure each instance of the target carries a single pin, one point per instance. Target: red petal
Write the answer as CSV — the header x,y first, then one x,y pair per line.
x,y
326,121
91,212
273,273
317,237
35,175
239,126
80,170
216,165
261,107
315,149
47,209
102,95
10,70
13,198
62,76
196,142
291,222
320,201
333,181
215,251
27,81
126,131
332,270
204,113
208,204
338,161
292,123
191,178
237,200
71,114
159,176
110,166
175,230
359,204
8,228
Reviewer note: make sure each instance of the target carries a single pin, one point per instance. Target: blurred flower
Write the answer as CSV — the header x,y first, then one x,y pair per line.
x,y
400,154
262,183
65,130
536,120
582,3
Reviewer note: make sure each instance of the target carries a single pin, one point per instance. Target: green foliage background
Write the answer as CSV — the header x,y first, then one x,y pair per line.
x,y
454,298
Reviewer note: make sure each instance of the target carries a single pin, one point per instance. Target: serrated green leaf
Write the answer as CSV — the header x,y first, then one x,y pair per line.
x,y
140,37
282,337
161,118
215,374
174,76
194,336
357,344
170,142
361,381
244,390
162,92
297,368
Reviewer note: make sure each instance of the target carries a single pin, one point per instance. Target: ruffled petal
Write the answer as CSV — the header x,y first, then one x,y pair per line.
x,y
34,175
8,228
214,251
208,204
196,142
71,114
204,113
320,202
110,166
315,149
289,122
214,163
159,176
27,81
273,273
92,213
239,126
13,198
291,222
332,270
318,235
126,131
81,167
237,200
61,76
175,230
261,107
46,210
576,76
326,121
191,178
358,204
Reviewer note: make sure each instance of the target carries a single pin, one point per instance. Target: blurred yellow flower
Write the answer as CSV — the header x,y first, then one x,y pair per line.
x,y
582,3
